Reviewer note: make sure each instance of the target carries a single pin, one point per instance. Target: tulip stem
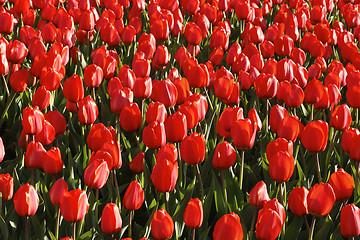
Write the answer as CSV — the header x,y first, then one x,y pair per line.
x,y
223,185
137,141
130,216
6,86
306,224
93,94
331,147
74,230
311,233
117,190
281,197
57,223
251,234
97,204
312,112
318,167
241,169
267,116
166,196
12,97
179,164
193,234
27,228
200,181
356,180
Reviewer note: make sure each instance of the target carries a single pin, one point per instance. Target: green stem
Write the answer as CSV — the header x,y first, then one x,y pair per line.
x,y
97,204
193,234
26,228
223,185
166,196
311,233
12,97
74,230
241,169
117,190
130,216
356,180
267,116
306,223
281,197
57,223
312,112
200,181
6,86
253,224
180,166
318,167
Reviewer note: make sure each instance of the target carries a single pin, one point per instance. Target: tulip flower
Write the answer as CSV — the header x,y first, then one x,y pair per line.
x,y
277,113
227,119
88,111
342,184
26,201
281,166
96,174
57,120
277,207
193,215
74,205
350,221
162,225
73,89
258,195
137,164
321,199
111,221
6,186
297,201
192,149
347,138
165,92
130,117
243,133
176,127
19,80
93,75
341,117
289,128
224,156
16,52
268,225
33,120
34,154
164,175
57,191
134,196
47,134
98,135
52,162
228,227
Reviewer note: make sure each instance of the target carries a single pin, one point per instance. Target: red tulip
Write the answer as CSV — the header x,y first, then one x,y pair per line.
x,y
134,196
120,99
276,146
283,45
19,80
193,215
33,120
162,225
111,221
243,133
96,174
281,167
8,23
57,120
52,162
350,221
50,79
127,77
57,191
142,87
73,89
160,30
315,136
321,199
88,110
228,227
227,119
289,128
341,117
224,156
161,57
351,96
16,52
164,175
6,186
193,33
266,86
201,104
93,75
34,155
47,134
176,127
98,135
169,152
130,117
26,201
137,164
342,184
192,149
347,138
258,195
165,92
298,201
268,225
74,205
154,135
156,111
277,207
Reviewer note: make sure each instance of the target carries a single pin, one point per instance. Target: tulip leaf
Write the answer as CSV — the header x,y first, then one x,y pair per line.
x,y
218,196
293,230
4,228
325,227
86,235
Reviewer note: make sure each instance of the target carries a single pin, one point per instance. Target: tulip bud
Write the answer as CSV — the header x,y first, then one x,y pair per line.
x,y
224,155
57,191
57,120
88,111
74,205
156,111
137,164
47,134
6,186
164,175
176,127
268,225
130,117
134,196
154,135
243,133
111,221
228,227
98,135
350,221
96,174
93,75
315,136
341,117
192,149
298,201
52,162
258,195
162,225
26,200
342,184
33,120
73,89
321,199
193,215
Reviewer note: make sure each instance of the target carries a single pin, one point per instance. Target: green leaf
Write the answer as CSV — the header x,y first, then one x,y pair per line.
x,y
218,196
4,228
292,232
324,231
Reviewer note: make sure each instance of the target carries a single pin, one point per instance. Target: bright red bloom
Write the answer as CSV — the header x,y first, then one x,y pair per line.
x,y
52,162
162,225
315,136
93,75
6,186
134,196
321,199
268,225
298,201
193,215
347,138
111,221
350,221
228,227
341,117
342,184
130,117
33,120
88,111
41,98
74,205
96,174
154,135
258,195
289,128
137,164
227,119
192,149
243,133
281,167
224,156
73,89
26,201
176,127
57,191
164,175
47,134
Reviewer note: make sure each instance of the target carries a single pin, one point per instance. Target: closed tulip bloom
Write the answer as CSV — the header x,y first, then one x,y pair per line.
x,y
315,136
127,76
142,87
134,196
347,138
223,87
161,57
228,227
277,113
73,89
193,33
88,111
224,156
93,75
277,207
176,127
19,80
33,120
341,117
137,164
243,134
130,117
268,225
201,104
193,215
258,195
26,201
169,152
57,191
352,96
321,199
266,86
350,221
162,225
154,135
156,111
297,201
50,79
160,30
165,92
34,155
8,20
111,221
47,134
255,118
96,174
52,162
57,120
278,145
16,52
342,184
190,111
281,167
74,205
289,128
6,186
113,148
98,135
164,175
227,119
192,149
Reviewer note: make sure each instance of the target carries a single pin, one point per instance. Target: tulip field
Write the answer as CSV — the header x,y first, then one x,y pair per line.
x,y
179,119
